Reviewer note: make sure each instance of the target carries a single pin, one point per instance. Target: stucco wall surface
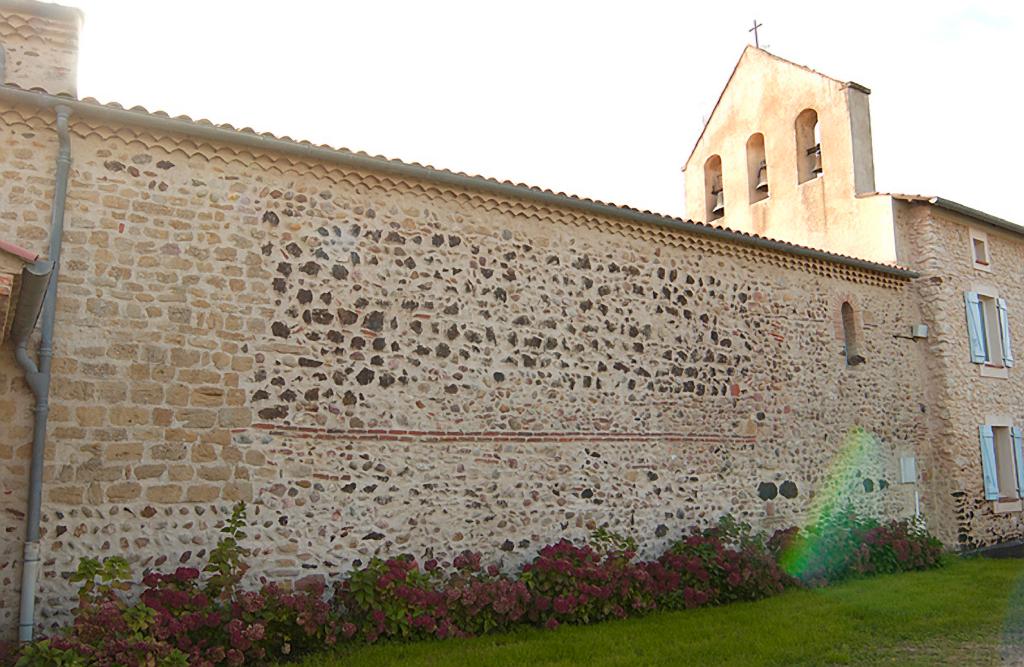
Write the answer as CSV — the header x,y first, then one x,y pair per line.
x,y
765,95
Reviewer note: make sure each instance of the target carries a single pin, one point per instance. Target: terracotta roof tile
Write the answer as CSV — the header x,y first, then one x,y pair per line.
x,y
522,186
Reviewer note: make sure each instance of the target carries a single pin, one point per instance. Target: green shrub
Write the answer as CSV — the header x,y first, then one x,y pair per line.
x,y
843,545
194,616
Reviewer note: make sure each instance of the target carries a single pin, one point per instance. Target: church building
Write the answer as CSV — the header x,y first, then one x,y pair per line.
x,y
787,154
381,357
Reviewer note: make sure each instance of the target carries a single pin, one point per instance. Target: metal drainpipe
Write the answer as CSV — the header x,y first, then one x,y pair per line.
x,y
38,378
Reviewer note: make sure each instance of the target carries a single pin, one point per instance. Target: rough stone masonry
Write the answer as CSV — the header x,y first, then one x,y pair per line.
x,y
381,364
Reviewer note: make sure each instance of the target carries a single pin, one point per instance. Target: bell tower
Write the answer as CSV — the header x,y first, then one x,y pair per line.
x,y
787,154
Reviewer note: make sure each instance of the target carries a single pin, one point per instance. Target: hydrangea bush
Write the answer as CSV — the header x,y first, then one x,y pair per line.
x,y
204,617
843,545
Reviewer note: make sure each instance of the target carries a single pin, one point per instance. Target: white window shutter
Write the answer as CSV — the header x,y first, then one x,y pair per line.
x,y
974,327
988,462
1018,457
1004,332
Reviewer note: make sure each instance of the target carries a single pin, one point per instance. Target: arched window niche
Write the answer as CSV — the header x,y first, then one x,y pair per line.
x,y
808,146
714,193
851,339
757,168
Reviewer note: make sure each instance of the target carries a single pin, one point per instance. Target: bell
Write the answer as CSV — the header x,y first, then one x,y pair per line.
x,y
719,201
816,160
762,177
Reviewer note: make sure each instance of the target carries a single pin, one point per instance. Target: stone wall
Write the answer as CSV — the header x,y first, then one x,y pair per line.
x,y
382,366
937,243
39,46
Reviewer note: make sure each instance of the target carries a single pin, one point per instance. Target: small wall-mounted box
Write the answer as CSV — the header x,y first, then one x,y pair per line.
x,y
919,331
908,470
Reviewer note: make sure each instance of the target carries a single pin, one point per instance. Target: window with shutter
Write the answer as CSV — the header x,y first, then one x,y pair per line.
x,y
1002,460
988,332
988,462
1004,332
1017,436
976,328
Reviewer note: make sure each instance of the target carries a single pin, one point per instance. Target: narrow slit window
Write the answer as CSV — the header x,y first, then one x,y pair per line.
x,y
851,341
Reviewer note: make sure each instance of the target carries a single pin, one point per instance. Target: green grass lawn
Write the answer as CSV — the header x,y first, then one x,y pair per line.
x,y
968,613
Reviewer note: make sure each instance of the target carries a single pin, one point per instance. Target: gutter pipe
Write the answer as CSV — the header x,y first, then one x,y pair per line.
x,y
38,375
117,116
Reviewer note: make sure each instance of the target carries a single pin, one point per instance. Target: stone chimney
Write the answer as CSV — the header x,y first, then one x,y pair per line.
x,y
39,46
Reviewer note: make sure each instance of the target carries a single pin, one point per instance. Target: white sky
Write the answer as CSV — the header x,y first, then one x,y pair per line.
x,y
599,99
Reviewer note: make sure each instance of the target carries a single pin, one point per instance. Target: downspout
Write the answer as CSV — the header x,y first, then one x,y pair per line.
x,y
38,379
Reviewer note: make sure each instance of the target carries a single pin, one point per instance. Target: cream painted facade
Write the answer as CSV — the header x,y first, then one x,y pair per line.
x,y
384,358
765,96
